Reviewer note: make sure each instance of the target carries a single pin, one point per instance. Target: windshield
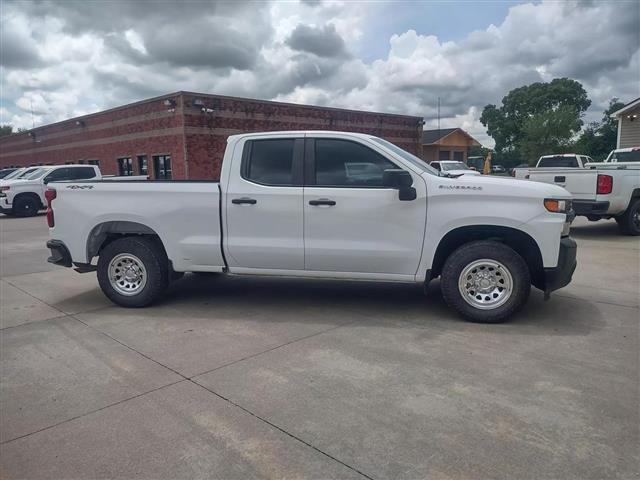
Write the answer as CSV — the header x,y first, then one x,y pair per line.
x,y
632,156
454,166
13,174
37,173
558,161
409,157
24,174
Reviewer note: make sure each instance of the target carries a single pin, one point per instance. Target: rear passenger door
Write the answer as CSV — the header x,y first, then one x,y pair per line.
x,y
263,202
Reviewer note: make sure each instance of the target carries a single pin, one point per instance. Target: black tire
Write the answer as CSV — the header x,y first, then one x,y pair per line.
x,y
150,252
629,221
491,250
26,206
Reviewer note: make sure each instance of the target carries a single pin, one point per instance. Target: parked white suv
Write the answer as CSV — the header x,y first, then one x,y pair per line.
x,y
318,204
24,196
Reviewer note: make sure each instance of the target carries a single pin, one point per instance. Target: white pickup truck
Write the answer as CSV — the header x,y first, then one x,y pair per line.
x,y
324,205
600,190
23,195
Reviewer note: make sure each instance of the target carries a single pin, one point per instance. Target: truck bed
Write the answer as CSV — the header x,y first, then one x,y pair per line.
x,y
185,214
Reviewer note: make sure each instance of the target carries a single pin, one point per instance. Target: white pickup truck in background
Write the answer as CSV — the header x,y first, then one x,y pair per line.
x,y
610,189
327,205
23,195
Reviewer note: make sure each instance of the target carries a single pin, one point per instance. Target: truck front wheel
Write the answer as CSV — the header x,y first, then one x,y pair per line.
x,y
26,206
485,281
629,221
133,271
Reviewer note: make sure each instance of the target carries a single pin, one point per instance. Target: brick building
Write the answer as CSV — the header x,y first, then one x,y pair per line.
x,y
183,135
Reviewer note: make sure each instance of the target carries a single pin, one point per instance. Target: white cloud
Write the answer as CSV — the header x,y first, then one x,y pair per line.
x,y
70,59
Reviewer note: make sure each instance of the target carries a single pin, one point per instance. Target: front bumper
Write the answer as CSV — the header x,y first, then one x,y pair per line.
x,y
560,276
5,206
590,207
59,253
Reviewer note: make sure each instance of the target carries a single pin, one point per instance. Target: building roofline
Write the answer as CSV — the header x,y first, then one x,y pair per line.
x,y
627,107
451,133
206,95
289,104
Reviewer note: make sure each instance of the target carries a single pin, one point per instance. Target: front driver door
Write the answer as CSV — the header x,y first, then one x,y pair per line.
x,y
352,223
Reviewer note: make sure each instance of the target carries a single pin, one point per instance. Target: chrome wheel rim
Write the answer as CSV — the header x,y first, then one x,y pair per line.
x,y
127,274
485,284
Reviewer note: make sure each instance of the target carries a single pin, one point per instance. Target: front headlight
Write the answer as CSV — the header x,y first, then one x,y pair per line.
x,y
557,206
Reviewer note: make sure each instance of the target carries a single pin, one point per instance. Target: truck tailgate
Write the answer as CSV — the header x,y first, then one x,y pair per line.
x,y
580,183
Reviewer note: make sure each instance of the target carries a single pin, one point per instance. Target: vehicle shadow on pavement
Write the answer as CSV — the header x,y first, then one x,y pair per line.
x,y
597,231
375,302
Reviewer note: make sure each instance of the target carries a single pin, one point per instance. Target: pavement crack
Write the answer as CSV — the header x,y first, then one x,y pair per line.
x,y
271,349
280,429
89,413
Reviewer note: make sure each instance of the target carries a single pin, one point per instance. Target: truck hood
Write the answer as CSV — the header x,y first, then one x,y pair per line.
x,y
18,182
504,186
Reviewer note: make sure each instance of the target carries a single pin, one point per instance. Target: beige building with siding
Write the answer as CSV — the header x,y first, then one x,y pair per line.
x,y
628,124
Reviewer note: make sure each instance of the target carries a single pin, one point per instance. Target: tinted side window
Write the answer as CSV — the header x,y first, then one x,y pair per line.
x,y
348,164
58,175
82,173
270,162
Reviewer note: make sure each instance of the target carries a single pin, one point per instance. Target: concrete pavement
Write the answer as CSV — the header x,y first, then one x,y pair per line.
x,y
274,378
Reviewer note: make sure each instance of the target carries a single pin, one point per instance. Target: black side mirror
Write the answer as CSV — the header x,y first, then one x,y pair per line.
x,y
401,180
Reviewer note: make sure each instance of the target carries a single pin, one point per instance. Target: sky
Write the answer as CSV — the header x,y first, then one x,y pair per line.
x,y
68,58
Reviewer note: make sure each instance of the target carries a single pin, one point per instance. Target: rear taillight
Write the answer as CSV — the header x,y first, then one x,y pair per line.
x,y
605,184
50,194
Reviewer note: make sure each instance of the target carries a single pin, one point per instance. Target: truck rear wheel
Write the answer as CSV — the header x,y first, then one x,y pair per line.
x,y
629,221
485,281
133,271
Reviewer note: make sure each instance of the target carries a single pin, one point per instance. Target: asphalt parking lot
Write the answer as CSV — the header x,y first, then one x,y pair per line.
x,y
279,378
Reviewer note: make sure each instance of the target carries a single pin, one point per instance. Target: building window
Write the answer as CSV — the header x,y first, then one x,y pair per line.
x,y
81,162
162,167
93,162
458,156
142,165
125,167
444,155
68,163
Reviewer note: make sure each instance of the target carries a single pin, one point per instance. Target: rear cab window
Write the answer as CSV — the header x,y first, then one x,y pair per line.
x,y
558,161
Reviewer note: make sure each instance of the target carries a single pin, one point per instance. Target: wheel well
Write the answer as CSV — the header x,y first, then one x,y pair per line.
x,y
521,242
635,193
103,234
32,195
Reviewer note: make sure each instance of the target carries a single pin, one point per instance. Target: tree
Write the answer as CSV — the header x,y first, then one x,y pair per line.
x,y
550,131
6,130
506,124
599,138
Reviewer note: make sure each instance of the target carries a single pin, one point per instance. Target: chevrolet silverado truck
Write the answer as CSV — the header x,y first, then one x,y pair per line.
x,y
317,204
